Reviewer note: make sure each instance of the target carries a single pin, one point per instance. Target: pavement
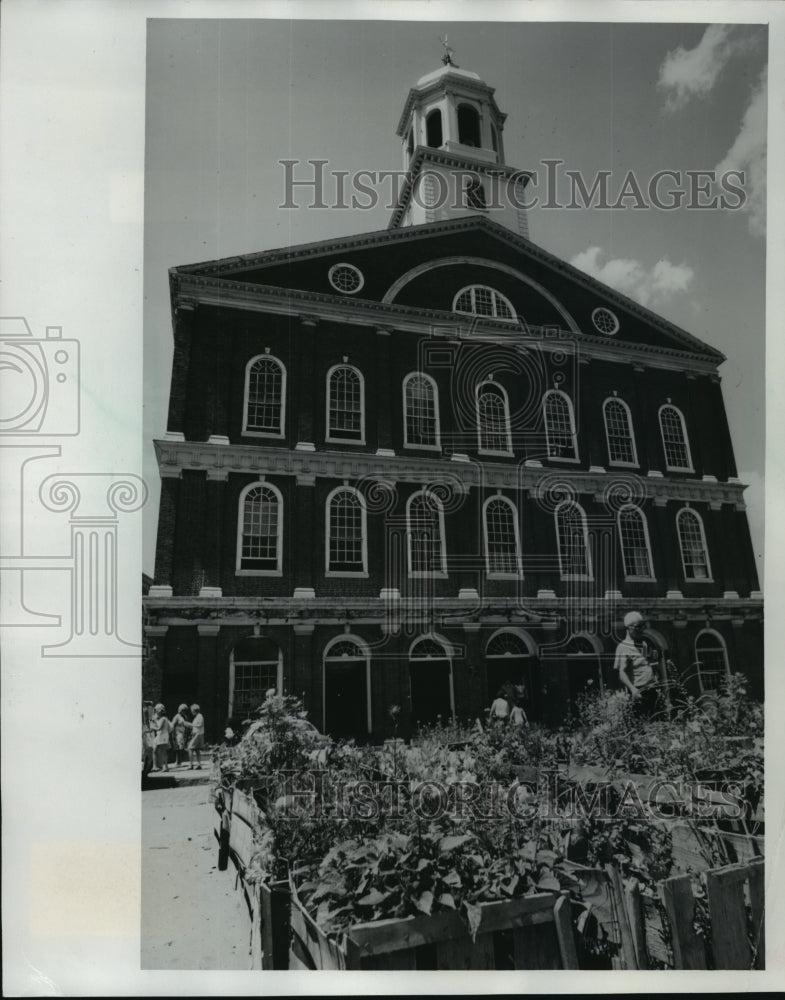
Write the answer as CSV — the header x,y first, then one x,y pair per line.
x,y
193,916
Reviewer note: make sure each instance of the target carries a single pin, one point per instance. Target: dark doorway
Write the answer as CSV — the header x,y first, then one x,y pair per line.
x,y
346,699
521,672
430,689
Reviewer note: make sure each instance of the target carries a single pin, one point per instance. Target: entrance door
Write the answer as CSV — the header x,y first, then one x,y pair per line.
x,y
430,687
345,699
508,661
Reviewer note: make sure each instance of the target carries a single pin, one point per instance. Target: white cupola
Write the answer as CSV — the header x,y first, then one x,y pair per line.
x,y
451,131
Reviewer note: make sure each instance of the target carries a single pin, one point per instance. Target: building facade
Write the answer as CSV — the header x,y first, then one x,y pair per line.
x,y
405,467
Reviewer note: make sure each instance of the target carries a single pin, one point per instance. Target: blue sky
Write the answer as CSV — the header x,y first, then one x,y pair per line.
x,y
226,100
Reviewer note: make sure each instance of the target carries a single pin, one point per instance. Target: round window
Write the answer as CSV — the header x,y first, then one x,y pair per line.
x,y
605,321
346,278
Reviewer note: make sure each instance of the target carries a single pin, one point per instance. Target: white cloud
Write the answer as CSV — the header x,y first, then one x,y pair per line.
x,y
687,73
748,154
649,286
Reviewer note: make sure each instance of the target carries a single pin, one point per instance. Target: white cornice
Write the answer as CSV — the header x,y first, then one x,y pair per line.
x,y
201,456
222,293
529,613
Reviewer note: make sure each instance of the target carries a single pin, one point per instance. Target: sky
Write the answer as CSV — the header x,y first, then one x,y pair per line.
x,y
227,100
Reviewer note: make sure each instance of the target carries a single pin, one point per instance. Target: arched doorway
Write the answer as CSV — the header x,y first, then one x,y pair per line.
x,y
583,668
346,682
510,659
430,681
255,667
711,661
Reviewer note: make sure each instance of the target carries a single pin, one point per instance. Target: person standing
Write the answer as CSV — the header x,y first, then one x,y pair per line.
x,y
196,742
499,712
518,716
179,731
635,663
163,728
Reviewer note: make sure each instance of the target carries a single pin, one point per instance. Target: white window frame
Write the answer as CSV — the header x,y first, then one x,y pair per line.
x,y
249,432
439,574
631,576
507,430
630,431
278,675
694,579
472,289
723,646
675,468
437,420
575,459
329,435
363,573
495,574
239,570
364,654
587,548
448,655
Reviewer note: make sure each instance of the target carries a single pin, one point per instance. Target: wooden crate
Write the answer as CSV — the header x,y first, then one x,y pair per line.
x,y
534,932
246,818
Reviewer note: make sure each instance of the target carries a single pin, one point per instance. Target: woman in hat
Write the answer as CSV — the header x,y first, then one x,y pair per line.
x,y
162,727
196,741
179,726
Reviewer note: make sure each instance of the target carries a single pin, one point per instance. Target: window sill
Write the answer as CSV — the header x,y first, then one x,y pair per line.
x,y
355,441
640,579
562,458
624,465
349,573
438,575
423,447
497,454
679,468
258,572
263,434
575,578
504,576
698,579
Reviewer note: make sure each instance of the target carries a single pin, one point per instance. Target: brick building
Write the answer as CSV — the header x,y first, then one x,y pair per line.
x,y
404,467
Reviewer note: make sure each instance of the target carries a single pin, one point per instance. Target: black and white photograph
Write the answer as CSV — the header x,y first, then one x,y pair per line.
x,y
430,392
459,541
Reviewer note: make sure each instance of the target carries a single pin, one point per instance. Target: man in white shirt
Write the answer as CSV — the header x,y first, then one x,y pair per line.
x,y
635,663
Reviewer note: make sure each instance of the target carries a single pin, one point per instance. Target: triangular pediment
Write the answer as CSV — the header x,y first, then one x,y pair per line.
x,y
424,267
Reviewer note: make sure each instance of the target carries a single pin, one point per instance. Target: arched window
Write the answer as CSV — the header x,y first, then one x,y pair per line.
x,y
421,411
255,667
346,548
635,547
468,126
260,530
345,405
493,419
425,535
265,397
433,128
711,659
573,541
618,432
692,541
674,440
474,194
346,695
502,545
560,426
480,300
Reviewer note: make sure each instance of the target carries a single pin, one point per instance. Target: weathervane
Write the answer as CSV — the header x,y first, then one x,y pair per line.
x,y
448,53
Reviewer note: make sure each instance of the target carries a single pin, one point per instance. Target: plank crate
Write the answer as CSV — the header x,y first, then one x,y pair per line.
x,y
534,932
270,902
